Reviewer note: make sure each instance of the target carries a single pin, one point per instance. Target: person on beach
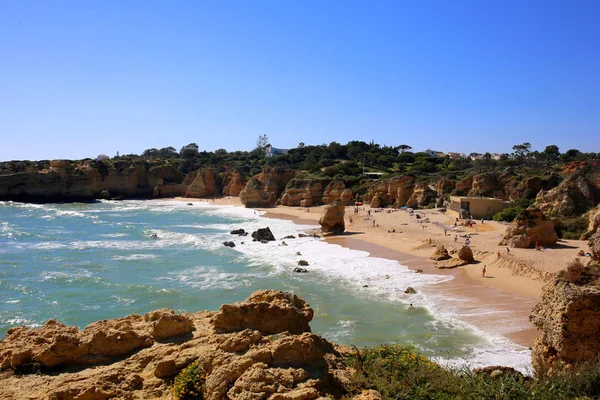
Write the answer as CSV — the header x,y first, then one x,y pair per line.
x,y
498,255
373,223
483,271
507,250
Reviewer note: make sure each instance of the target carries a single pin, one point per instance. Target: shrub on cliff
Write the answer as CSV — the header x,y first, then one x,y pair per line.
x,y
579,274
188,384
399,372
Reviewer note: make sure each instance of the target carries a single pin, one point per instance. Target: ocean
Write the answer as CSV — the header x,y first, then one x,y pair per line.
x,y
83,262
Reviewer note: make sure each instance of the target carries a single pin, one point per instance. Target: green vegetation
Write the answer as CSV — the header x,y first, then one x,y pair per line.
x,y
509,214
188,384
399,372
572,228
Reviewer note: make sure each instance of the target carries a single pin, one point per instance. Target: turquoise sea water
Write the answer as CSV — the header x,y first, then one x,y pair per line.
x,y
80,263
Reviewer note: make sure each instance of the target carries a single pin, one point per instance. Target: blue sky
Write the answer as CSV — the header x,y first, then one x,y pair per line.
x,y
79,78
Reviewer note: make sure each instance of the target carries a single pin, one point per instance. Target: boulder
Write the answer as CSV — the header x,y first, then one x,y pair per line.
x,y
104,195
303,263
165,323
466,254
453,262
229,244
300,270
530,227
332,220
410,290
267,311
239,232
440,254
594,245
568,316
263,235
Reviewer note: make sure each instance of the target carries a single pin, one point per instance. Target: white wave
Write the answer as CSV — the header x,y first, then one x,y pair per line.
x,y
133,257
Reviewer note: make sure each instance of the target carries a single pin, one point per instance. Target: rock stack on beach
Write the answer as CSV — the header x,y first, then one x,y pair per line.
x,y
332,221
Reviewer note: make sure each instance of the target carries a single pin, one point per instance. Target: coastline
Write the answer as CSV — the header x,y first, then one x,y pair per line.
x,y
501,301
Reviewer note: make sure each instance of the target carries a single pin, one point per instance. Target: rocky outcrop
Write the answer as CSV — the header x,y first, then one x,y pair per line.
x,y
262,190
444,186
332,221
336,190
246,361
393,191
422,196
530,227
263,235
235,183
594,245
568,317
201,183
268,311
594,223
56,345
440,254
573,196
302,193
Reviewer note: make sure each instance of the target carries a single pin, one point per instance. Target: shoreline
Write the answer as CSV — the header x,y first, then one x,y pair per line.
x,y
475,302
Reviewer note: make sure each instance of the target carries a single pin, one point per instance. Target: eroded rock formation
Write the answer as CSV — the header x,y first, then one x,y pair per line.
x,y
332,221
393,191
573,196
262,190
422,195
257,356
235,183
201,183
530,227
302,193
568,316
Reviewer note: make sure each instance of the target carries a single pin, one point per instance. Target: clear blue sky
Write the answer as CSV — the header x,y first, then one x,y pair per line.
x,y
83,77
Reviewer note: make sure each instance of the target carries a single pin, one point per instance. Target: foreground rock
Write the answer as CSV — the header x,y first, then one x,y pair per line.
x,y
56,345
332,221
245,363
530,227
568,316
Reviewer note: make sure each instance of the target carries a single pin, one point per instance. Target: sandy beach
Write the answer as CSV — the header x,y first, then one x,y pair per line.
x,y
513,280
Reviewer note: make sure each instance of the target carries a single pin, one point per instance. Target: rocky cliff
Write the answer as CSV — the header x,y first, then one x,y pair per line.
x,y
302,193
568,316
332,221
573,196
263,189
63,180
235,183
257,349
393,191
201,183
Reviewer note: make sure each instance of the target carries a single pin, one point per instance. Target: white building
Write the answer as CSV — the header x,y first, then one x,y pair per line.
x,y
434,153
273,151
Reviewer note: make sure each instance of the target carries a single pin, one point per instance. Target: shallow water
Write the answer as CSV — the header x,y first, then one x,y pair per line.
x,y
80,263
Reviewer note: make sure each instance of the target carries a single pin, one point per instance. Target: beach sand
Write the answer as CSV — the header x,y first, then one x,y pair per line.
x,y
513,281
